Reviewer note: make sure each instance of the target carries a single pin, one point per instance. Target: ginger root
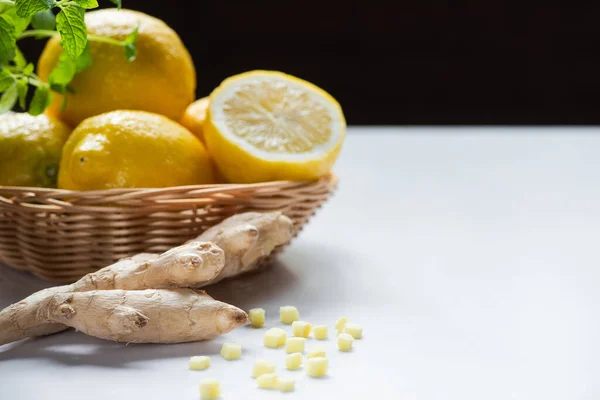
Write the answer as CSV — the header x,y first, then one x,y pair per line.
x,y
247,239
238,245
182,266
134,316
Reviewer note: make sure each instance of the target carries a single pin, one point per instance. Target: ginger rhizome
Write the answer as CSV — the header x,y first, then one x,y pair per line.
x,y
236,245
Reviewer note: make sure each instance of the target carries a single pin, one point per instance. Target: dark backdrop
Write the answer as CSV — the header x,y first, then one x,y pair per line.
x,y
406,62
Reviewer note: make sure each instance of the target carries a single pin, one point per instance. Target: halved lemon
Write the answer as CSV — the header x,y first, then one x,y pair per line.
x,y
266,125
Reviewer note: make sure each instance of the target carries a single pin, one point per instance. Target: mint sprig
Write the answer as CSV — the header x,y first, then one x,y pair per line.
x,y
16,74
73,33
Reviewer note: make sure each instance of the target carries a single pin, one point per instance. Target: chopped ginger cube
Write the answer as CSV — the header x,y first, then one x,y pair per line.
x,y
293,361
286,384
231,351
288,314
198,363
274,338
301,328
320,332
295,345
267,381
340,324
344,341
317,366
210,389
262,367
317,351
353,329
257,317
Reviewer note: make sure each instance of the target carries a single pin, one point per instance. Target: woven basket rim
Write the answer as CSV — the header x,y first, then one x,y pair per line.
x,y
204,188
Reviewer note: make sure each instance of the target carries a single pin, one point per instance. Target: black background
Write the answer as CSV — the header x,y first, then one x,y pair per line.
x,y
406,62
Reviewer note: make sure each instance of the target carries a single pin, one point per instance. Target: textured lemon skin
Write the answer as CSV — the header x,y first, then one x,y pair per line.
x,y
194,117
30,149
162,78
239,166
132,149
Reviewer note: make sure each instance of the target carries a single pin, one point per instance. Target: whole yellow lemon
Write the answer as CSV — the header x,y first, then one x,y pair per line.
x,y
161,79
30,149
132,149
194,117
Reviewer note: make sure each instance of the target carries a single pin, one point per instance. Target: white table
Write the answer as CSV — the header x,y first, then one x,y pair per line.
x,y
470,256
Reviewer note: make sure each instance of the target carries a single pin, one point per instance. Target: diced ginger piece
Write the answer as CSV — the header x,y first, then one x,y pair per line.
x,y
293,361
295,345
267,381
317,366
210,389
262,367
317,351
274,338
286,384
198,363
320,332
354,329
301,328
344,341
340,324
288,314
257,317
231,351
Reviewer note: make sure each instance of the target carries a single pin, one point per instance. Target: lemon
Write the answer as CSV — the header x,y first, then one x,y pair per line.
x,y
161,79
127,149
30,149
265,125
194,117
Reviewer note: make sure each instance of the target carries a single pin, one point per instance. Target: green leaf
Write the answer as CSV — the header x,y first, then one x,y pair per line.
x,y
19,58
6,80
66,68
5,6
84,60
44,20
87,3
20,23
28,69
130,49
118,3
22,88
63,73
8,39
71,26
9,98
26,8
40,101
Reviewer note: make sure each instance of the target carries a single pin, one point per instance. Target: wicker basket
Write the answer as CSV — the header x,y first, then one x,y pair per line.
x,y
61,235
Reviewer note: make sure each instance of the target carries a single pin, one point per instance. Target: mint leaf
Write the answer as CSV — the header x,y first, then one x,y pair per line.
x,y
84,60
130,49
44,20
19,58
20,23
6,80
22,87
63,73
8,40
118,3
26,8
87,3
40,101
73,33
4,6
28,69
9,98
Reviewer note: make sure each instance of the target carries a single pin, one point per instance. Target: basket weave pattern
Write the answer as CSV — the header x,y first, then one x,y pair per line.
x,y
61,235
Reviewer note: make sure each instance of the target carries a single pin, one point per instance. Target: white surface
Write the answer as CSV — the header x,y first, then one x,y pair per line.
x,y
470,257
